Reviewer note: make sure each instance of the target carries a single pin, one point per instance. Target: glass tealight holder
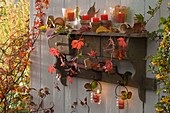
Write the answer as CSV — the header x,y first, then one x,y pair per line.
x,y
96,97
121,101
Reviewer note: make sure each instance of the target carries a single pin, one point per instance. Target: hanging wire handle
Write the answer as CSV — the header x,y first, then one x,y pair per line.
x,y
100,86
120,86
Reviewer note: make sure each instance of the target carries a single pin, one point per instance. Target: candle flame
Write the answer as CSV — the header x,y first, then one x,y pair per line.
x,y
104,11
98,91
95,15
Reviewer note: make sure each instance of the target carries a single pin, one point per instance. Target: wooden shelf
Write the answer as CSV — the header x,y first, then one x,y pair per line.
x,y
135,35
136,53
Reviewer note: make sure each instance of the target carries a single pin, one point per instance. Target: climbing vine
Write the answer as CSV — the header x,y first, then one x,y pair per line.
x,y
160,66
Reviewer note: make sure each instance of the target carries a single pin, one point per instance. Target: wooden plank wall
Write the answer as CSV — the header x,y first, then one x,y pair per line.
x,y
63,99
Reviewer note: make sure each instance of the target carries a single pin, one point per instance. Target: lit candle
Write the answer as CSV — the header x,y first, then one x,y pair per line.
x,y
85,17
95,19
96,96
120,17
70,16
121,104
98,91
104,16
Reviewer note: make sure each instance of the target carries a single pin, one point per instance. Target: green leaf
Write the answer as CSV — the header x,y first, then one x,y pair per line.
x,y
140,17
162,20
80,55
161,30
94,84
159,90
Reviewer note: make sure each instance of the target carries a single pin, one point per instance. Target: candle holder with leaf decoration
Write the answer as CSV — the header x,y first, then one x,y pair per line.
x,y
95,23
85,20
95,88
85,23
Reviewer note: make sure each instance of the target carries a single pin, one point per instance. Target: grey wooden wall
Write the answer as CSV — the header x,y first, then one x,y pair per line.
x,y
63,99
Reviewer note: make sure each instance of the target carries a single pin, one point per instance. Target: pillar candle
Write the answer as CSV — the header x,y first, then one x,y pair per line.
x,y
104,16
120,18
70,16
85,17
95,19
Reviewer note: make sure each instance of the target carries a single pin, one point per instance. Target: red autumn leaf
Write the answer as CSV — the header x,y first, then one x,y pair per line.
x,y
77,43
46,2
38,7
70,79
39,14
92,53
108,65
82,103
37,23
80,44
85,99
51,69
54,52
74,105
74,43
121,42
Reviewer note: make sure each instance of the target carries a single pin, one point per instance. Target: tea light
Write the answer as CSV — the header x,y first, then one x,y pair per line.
x,y
95,19
120,17
70,16
85,17
121,104
104,16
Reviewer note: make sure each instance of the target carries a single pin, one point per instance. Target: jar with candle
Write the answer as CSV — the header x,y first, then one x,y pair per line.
x,y
120,17
96,94
121,99
119,14
121,104
96,97
70,16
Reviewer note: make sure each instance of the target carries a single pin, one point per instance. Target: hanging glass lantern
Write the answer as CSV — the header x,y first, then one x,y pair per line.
x,y
121,99
96,94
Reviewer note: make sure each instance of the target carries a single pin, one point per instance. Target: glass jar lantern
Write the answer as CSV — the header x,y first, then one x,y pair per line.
x,y
96,94
96,97
121,103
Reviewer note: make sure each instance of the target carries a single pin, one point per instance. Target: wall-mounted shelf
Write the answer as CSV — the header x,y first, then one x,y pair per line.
x,y
136,53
